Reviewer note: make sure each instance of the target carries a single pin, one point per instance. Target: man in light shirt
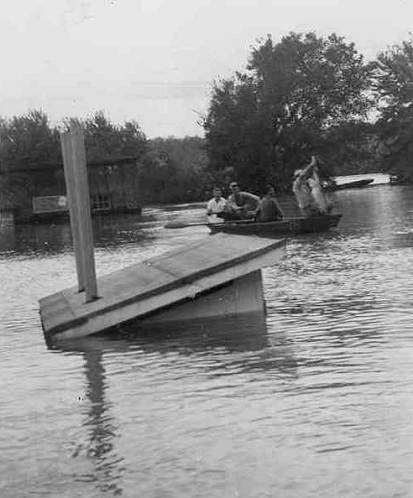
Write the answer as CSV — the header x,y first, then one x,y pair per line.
x,y
241,205
216,206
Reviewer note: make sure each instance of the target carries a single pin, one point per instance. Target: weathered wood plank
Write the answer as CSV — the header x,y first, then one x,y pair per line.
x,y
54,310
74,159
242,295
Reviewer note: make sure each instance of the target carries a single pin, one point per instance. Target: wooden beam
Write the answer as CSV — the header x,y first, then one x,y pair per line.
x,y
75,168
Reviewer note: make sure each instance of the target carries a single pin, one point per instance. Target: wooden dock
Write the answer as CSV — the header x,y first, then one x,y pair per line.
x,y
215,276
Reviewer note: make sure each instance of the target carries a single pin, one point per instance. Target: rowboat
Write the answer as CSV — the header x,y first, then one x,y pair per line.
x,y
309,224
356,184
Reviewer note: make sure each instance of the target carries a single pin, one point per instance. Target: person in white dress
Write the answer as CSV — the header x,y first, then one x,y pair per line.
x,y
302,190
317,192
308,190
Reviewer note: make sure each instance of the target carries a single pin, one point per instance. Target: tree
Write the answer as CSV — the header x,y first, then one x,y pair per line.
x,y
394,89
157,178
29,150
188,160
28,141
263,123
105,140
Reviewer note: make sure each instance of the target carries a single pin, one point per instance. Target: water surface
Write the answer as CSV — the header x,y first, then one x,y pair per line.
x,y
315,400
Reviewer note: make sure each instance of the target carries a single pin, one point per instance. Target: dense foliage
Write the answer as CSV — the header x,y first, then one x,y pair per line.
x,y
189,177
168,170
394,89
296,98
27,143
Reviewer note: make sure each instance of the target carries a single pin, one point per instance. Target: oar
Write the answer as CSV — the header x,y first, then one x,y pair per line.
x,y
177,224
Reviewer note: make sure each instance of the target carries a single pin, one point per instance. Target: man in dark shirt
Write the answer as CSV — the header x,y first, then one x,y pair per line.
x,y
269,209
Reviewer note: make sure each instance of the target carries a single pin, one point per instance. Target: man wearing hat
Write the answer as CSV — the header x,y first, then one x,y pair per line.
x,y
241,205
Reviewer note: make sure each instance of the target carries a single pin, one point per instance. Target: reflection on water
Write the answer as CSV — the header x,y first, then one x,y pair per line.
x,y
226,348
313,400
101,429
244,338
46,239
200,335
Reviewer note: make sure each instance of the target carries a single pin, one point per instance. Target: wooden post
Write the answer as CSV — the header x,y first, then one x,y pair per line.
x,y
71,198
75,168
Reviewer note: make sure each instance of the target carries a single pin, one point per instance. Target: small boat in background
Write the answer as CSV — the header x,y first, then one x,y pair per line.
x,y
332,186
300,225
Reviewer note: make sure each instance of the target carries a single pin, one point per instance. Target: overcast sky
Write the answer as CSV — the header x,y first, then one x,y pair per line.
x,y
155,60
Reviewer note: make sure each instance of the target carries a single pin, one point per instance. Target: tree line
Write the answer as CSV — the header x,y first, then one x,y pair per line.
x,y
312,95
167,169
303,95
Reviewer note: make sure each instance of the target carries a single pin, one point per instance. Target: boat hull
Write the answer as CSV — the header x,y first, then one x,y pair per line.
x,y
355,184
311,224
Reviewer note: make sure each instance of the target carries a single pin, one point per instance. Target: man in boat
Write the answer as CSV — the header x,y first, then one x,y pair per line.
x,y
216,206
302,190
241,205
268,208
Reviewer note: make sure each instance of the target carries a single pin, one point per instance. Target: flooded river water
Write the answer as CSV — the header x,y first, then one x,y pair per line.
x,y
316,400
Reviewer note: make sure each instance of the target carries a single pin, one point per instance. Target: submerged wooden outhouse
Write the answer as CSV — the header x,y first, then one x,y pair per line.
x,y
218,275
